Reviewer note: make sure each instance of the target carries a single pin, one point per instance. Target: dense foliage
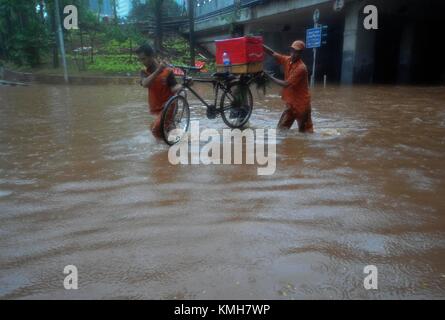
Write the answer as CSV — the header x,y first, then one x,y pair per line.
x,y
28,36
23,35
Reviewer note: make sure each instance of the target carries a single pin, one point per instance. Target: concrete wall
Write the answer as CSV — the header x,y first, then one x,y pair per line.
x,y
358,46
252,13
405,56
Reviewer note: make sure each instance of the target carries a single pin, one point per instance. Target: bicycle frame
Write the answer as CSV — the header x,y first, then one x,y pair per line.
x,y
223,82
217,84
217,87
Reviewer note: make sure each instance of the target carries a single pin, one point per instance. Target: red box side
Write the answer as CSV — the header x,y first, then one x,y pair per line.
x,y
255,50
241,50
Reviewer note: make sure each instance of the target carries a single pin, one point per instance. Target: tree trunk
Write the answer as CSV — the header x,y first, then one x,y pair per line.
x,y
8,32
192,31
115,10
131,50
93,38
54,48
41,11
81,51
158,25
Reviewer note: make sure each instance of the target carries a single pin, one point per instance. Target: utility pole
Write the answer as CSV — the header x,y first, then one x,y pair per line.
x,y
316,18
114,3
61,42
313,64
41,9
158,25
192,31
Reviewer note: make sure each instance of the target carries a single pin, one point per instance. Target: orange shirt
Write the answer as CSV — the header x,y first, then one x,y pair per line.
x,y
297,93
159,91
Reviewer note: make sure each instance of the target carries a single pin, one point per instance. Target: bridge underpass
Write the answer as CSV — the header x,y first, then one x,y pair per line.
x,y
399,51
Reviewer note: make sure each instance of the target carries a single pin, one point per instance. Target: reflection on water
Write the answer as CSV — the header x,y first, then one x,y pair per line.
x,y
83,182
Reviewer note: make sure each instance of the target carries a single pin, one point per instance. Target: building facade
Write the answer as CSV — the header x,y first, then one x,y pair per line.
x,y
123,8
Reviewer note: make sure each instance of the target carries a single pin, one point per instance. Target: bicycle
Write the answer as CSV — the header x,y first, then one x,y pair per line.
x,y
235,105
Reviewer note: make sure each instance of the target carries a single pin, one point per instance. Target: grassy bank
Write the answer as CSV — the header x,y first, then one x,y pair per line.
x,y
112,58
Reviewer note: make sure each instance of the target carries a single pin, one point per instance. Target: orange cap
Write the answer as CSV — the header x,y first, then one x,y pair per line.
x,y
298,45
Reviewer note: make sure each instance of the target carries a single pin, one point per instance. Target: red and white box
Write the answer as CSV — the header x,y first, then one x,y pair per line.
x,y
246,54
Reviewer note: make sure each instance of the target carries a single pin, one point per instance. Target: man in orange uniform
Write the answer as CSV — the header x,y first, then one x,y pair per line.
x,y
296,91
161,84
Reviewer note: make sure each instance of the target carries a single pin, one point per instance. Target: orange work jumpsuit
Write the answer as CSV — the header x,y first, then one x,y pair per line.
x,y
159,92
296,95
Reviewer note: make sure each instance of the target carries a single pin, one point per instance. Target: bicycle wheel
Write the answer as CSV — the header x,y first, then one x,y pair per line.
x,y
236,105
175,119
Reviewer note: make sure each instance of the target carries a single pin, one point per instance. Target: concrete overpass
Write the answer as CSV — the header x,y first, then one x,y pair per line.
x,y
392,54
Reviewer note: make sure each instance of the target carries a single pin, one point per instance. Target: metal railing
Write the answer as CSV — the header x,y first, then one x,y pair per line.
x,y
208,9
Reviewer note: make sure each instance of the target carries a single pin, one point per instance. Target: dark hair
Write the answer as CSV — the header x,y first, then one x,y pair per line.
x,y
145,49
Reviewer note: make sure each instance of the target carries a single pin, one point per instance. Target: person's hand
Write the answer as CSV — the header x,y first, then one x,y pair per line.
x,y
268,50
143,76
269,75
162,66
177,88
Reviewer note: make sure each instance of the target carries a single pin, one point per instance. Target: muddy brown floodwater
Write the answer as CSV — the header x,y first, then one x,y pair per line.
x,y
83,182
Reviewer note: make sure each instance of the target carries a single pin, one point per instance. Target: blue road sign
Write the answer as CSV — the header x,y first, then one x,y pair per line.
x,y
313,38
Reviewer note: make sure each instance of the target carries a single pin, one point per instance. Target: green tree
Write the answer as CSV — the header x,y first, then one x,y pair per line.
x,y
23,36
154,13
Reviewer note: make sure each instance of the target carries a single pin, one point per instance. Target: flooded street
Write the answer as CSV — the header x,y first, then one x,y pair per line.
x,y
83,182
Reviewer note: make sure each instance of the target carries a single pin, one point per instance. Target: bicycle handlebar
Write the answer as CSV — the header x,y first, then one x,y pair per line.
x,y
184,68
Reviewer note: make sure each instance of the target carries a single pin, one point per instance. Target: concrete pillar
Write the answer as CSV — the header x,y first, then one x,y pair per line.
x,y
358,47
406,54
441,66
349,44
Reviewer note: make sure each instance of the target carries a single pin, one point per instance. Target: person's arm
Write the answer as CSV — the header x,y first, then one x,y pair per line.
x,y
173,84
177,88
280,59
268,50
281,83
143,76
293,79
146,82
